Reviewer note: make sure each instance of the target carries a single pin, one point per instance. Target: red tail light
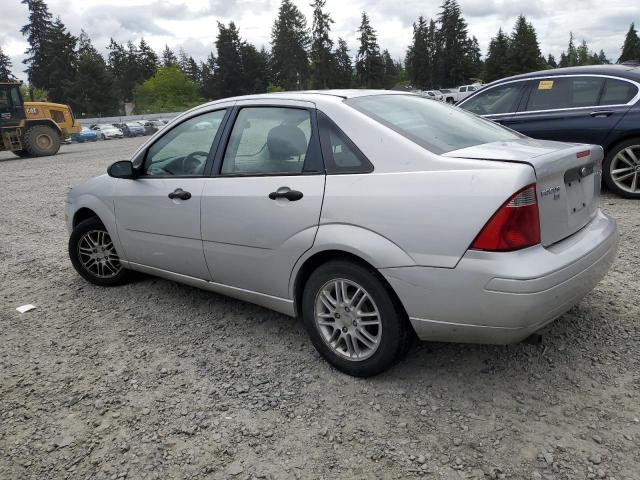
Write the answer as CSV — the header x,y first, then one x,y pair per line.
x,y
515,225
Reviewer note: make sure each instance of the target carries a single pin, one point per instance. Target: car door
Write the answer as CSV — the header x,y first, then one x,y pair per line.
x,y
158,213
498,103
577,108
261,208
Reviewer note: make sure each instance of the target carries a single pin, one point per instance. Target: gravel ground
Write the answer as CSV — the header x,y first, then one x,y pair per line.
x,y
159,380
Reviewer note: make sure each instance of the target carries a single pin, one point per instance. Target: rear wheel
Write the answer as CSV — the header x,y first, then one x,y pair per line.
x,y
94,256
41,141
353,320
621,168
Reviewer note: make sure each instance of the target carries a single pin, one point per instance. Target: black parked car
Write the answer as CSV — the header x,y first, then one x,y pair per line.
x,y
591,104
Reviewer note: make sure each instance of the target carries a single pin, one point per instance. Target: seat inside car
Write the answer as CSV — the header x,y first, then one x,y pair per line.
x,y
283,143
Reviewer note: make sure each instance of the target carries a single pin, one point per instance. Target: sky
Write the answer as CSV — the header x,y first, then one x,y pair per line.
x,y
191,24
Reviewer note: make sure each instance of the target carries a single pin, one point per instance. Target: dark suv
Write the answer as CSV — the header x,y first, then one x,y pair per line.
x,y
591,104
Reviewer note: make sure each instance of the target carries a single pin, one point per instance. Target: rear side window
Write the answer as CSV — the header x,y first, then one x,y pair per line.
x,y
564,92
268,140
433,125
496,100
617,92
340,154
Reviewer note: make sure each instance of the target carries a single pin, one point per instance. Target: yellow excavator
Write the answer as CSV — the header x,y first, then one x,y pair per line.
x,y
33,129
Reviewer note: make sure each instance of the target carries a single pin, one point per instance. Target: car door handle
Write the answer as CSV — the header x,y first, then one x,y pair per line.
x,y
179,193
285,192
601,113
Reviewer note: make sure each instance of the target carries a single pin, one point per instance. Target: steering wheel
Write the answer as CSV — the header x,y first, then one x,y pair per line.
x,y
190,164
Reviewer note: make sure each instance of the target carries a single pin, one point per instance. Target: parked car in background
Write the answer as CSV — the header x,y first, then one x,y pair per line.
x,y
434,95
131,129
453,95
152,126
284,200
591,104
85,135
106,131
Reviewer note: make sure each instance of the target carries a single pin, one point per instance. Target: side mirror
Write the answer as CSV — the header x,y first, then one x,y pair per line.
x,y
122,169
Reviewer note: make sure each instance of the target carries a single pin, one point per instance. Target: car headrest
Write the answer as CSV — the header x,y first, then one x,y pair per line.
x,y
285,141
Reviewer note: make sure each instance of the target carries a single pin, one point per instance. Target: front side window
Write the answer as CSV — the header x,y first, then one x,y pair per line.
x,y
268,140
564,92
618,92
433,125
496,100
184,150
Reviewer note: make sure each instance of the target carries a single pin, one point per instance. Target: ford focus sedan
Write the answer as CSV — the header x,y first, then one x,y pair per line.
x,y
374,216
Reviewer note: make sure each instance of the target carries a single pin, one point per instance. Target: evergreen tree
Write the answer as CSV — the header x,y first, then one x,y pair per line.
x,y
602,58
289,44
369,63
62,62
473,59
127,73
495,65
551,61
254,69
147,60
208,87
5,68
91,92
37,31
229,76
570,57
183,60
418,60
631,46
391,70
453,45
343,65
524,51
168,58
322,61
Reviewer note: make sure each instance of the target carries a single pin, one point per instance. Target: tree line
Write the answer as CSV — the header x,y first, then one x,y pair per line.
x,y
69,69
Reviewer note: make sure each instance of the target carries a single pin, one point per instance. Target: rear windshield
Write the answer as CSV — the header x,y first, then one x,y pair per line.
x,y
433,125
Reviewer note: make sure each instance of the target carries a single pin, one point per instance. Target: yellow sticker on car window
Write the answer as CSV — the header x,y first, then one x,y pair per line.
x,y
545,85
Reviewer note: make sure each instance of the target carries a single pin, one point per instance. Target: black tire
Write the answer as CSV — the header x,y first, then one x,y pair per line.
x,y
92,225
608,165
396,336
450,100
21,153
41,141
103,137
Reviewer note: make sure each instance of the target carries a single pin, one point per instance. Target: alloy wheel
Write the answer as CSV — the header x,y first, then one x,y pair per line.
x,y
625,169
348,319
98,255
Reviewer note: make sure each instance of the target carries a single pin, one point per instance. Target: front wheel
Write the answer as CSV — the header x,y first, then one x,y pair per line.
x,y
353,320
94,256
41,141
621,169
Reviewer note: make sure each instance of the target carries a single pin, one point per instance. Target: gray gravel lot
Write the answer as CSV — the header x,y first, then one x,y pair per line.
x,y
159,380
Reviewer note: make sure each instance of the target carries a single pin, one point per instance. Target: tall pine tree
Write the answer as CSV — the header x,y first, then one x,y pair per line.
x,y
147,60
524,51
418,58
289,45
208,88
495,65
91,92
229,77
343,65
37,31
60,49
322,61
168,58
631,46
5,67
453,45
369,63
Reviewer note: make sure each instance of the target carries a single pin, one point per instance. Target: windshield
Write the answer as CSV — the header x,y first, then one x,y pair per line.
x,y
433,125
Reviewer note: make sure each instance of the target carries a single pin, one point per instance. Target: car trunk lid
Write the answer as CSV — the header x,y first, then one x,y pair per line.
x,y
567,179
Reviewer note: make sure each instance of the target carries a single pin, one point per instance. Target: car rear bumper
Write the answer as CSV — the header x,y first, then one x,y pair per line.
x,y
504,297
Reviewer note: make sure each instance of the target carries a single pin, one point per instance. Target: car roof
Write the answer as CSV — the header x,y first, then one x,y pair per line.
x,y
310,95
631,72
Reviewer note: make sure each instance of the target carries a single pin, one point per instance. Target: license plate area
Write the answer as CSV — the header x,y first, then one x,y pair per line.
x,y
579,187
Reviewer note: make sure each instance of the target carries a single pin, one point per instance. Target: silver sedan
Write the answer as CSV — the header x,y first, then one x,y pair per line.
x,y
374,216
